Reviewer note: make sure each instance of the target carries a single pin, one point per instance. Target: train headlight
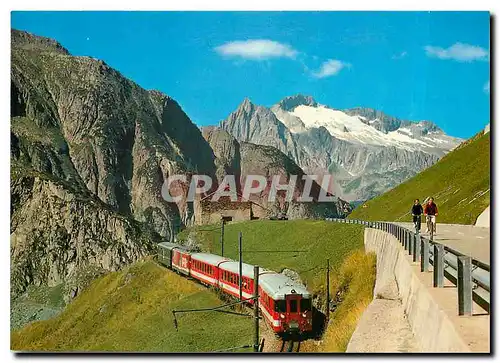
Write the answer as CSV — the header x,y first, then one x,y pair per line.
x,y
282,316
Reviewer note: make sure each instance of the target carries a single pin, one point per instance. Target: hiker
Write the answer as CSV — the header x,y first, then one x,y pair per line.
x,y
431,211
416,212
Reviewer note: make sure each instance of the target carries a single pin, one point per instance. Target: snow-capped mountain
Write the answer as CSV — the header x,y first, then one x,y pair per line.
x,y
367,151
360,129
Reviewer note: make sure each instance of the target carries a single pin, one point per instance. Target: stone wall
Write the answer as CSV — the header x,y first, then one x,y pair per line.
x,y
430,318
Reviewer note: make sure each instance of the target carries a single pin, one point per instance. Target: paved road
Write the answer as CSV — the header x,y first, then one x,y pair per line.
x,y
470,240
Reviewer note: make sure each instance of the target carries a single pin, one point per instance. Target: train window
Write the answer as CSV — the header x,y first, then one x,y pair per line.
x,y
280,306
293,306
305,305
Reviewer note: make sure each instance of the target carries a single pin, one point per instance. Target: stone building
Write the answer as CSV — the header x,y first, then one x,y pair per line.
x,y
209,212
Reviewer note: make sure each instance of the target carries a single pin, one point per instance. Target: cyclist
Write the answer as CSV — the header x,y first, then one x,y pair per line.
x,y
416,212
431,211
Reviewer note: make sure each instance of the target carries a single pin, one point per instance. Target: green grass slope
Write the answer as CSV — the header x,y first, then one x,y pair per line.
x,y
356,279
300,245
130,311
459,183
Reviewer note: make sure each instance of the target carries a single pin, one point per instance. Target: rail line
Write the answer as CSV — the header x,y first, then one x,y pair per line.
x,y
290,346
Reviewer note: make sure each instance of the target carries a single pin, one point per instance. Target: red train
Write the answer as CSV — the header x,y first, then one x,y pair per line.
x,y
285,304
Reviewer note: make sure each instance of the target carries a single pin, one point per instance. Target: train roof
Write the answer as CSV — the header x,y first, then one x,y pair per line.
x,y
276,285
208,258
246,269
169,245
279,285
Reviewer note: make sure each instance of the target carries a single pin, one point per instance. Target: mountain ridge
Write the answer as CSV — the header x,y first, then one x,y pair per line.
x,y
349,142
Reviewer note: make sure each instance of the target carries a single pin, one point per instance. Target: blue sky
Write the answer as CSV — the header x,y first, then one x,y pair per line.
x,y
412,65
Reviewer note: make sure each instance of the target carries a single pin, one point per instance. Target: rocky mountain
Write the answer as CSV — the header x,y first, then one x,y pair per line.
x,y
367,151
90,151
260,124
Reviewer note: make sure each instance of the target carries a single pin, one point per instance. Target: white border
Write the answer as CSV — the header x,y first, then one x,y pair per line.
x,y
186,5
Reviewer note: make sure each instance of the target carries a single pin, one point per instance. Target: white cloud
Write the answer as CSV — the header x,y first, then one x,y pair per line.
x,y
331,67
459,51
258,49
486,87
400,55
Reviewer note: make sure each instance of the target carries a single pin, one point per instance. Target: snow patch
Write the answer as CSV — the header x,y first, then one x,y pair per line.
x,y
337,122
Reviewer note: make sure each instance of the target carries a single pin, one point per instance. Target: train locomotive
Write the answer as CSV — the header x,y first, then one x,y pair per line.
x,y
285,304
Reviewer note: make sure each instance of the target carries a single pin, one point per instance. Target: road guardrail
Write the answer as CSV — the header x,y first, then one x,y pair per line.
x,y
472,277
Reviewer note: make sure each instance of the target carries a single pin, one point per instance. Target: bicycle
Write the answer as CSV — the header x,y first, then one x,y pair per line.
x,y
417,221
431,225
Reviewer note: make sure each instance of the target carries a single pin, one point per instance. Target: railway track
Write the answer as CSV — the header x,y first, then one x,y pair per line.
x,y
293,346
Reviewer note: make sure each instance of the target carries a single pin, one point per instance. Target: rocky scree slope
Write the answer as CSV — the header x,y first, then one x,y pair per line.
x,y
243,159
367,151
